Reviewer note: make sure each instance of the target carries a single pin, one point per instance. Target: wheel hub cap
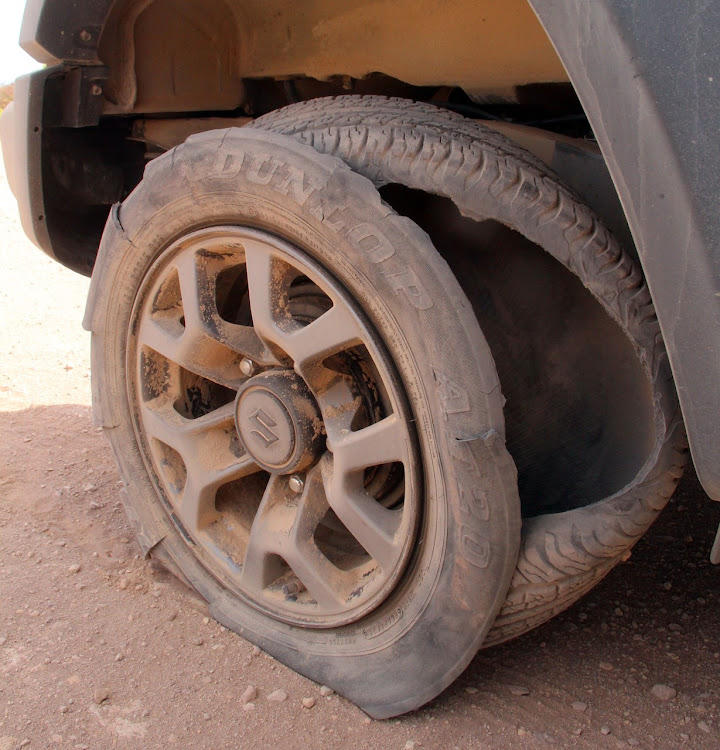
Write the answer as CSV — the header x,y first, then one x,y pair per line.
x,y
279,422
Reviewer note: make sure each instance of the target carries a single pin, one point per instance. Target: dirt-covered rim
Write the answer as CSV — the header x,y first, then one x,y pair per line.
x,y
274,427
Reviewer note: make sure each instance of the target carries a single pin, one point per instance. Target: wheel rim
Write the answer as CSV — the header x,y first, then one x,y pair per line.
x,y
274,426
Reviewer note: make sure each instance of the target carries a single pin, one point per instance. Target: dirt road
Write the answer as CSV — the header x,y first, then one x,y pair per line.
x,y
100,650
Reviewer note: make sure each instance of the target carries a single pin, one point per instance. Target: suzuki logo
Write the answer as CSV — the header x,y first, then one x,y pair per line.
x,y
263,433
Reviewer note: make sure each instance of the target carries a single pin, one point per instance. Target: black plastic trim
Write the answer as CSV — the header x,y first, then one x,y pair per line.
x,y
67,30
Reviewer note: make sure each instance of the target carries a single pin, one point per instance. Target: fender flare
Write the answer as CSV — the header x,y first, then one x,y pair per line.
x,y
55,31
647,76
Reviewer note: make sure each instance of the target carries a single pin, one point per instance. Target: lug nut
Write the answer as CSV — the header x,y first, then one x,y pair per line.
x,y
247,367
294,587
296,484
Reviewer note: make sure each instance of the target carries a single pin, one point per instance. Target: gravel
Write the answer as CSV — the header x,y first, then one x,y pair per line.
x,y
664,692
249,694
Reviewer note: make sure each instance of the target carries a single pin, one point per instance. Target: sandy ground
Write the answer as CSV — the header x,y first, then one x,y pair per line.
x,y
98,649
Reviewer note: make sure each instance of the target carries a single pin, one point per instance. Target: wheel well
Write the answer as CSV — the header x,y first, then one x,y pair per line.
x,y
251,57
145,44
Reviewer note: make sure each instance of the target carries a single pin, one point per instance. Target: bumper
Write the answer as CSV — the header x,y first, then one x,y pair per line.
x,y
21,134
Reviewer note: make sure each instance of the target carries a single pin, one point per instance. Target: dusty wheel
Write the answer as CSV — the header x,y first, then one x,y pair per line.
x,y
266,336
592,417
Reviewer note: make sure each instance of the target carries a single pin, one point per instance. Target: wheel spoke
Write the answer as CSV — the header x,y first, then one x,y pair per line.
x,y
181,434
334,331
284,526
210,451
381,443
198,274
265,275
375,527
197,503
194,351
206,345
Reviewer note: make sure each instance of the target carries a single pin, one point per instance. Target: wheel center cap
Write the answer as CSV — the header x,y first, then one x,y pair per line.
x,y
279,422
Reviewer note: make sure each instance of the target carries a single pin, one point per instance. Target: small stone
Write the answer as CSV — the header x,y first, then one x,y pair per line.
x,y
471,690
522,732
667,585
74,568
633,742
100,695
518,690
410,745
89,488
308,702
577,732
249,694
25,743
277,696
172,616
63,709
206,620
606,666
119,657
3,641
206,717
664,692
197,641
579,706
325,691
256,651
618,612
704,726
249,707
605,729
123,584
